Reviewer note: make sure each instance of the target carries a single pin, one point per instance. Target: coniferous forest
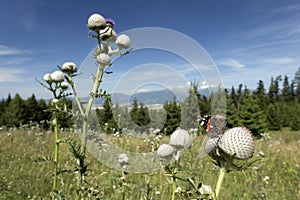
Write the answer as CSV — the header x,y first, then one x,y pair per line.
x,y
265,108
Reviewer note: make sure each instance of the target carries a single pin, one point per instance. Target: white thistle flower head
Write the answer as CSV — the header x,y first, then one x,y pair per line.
x,y
64,85
47,78
237,141
123,41
123,159
165,151
96,22
69,67
180,139
57,76
103,59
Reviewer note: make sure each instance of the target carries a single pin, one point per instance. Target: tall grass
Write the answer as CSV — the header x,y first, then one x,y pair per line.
x,y
275,176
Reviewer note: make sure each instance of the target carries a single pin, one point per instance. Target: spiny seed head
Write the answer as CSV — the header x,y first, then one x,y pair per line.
x,y
57,76
237,141
69,67
64,85
103,59
165,151
96,22
180,139
47,77
123,41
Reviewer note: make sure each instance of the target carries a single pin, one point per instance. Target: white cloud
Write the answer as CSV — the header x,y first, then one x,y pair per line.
x,y
7,51
11,75
231,63
279,61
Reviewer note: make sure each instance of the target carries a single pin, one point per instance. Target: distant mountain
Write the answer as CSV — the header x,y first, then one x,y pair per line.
x,y
153,97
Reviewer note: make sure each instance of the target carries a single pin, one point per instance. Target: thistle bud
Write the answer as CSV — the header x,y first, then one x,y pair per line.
x,y
180,139
123,159
69,67
123,41
64,85
96,22
103,59
237,142
165,151
47,77
57,76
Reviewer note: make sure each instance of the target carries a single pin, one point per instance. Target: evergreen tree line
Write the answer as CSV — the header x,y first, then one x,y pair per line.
x,y
15,112
259,110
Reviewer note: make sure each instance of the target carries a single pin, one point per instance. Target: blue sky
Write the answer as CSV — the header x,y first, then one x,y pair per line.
x,y
247,40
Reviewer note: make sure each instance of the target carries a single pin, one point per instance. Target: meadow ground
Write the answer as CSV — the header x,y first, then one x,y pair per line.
x,y
276,176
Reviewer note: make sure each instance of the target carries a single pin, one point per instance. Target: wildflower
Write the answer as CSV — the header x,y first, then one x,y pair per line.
x,y
180,139
57,76
96,22
123,159
47,77
266,179
103,59
123,41
69,67
237,142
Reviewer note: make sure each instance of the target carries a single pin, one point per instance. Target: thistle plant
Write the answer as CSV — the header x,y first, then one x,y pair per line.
x,y
180,140
234,144
57,82
123,161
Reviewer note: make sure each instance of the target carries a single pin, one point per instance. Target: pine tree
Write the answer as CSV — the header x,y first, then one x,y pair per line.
x,y
15,112
106,117
250,114
173,120
295,119
43,116
260,95
273,117
286,90
274,89
231,113
31,107
190,109
218,102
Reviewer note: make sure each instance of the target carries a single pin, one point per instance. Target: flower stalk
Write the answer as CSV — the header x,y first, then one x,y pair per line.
x,y
56,153
219,183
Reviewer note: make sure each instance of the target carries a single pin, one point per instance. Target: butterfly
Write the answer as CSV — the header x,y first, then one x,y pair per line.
x,y
205,122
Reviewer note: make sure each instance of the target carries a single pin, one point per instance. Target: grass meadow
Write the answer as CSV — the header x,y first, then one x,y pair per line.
x,y
275,176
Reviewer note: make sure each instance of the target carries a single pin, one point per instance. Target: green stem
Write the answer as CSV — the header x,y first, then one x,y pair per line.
x,y
56,154
97,81
77,99
219,183
174,187
123,185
